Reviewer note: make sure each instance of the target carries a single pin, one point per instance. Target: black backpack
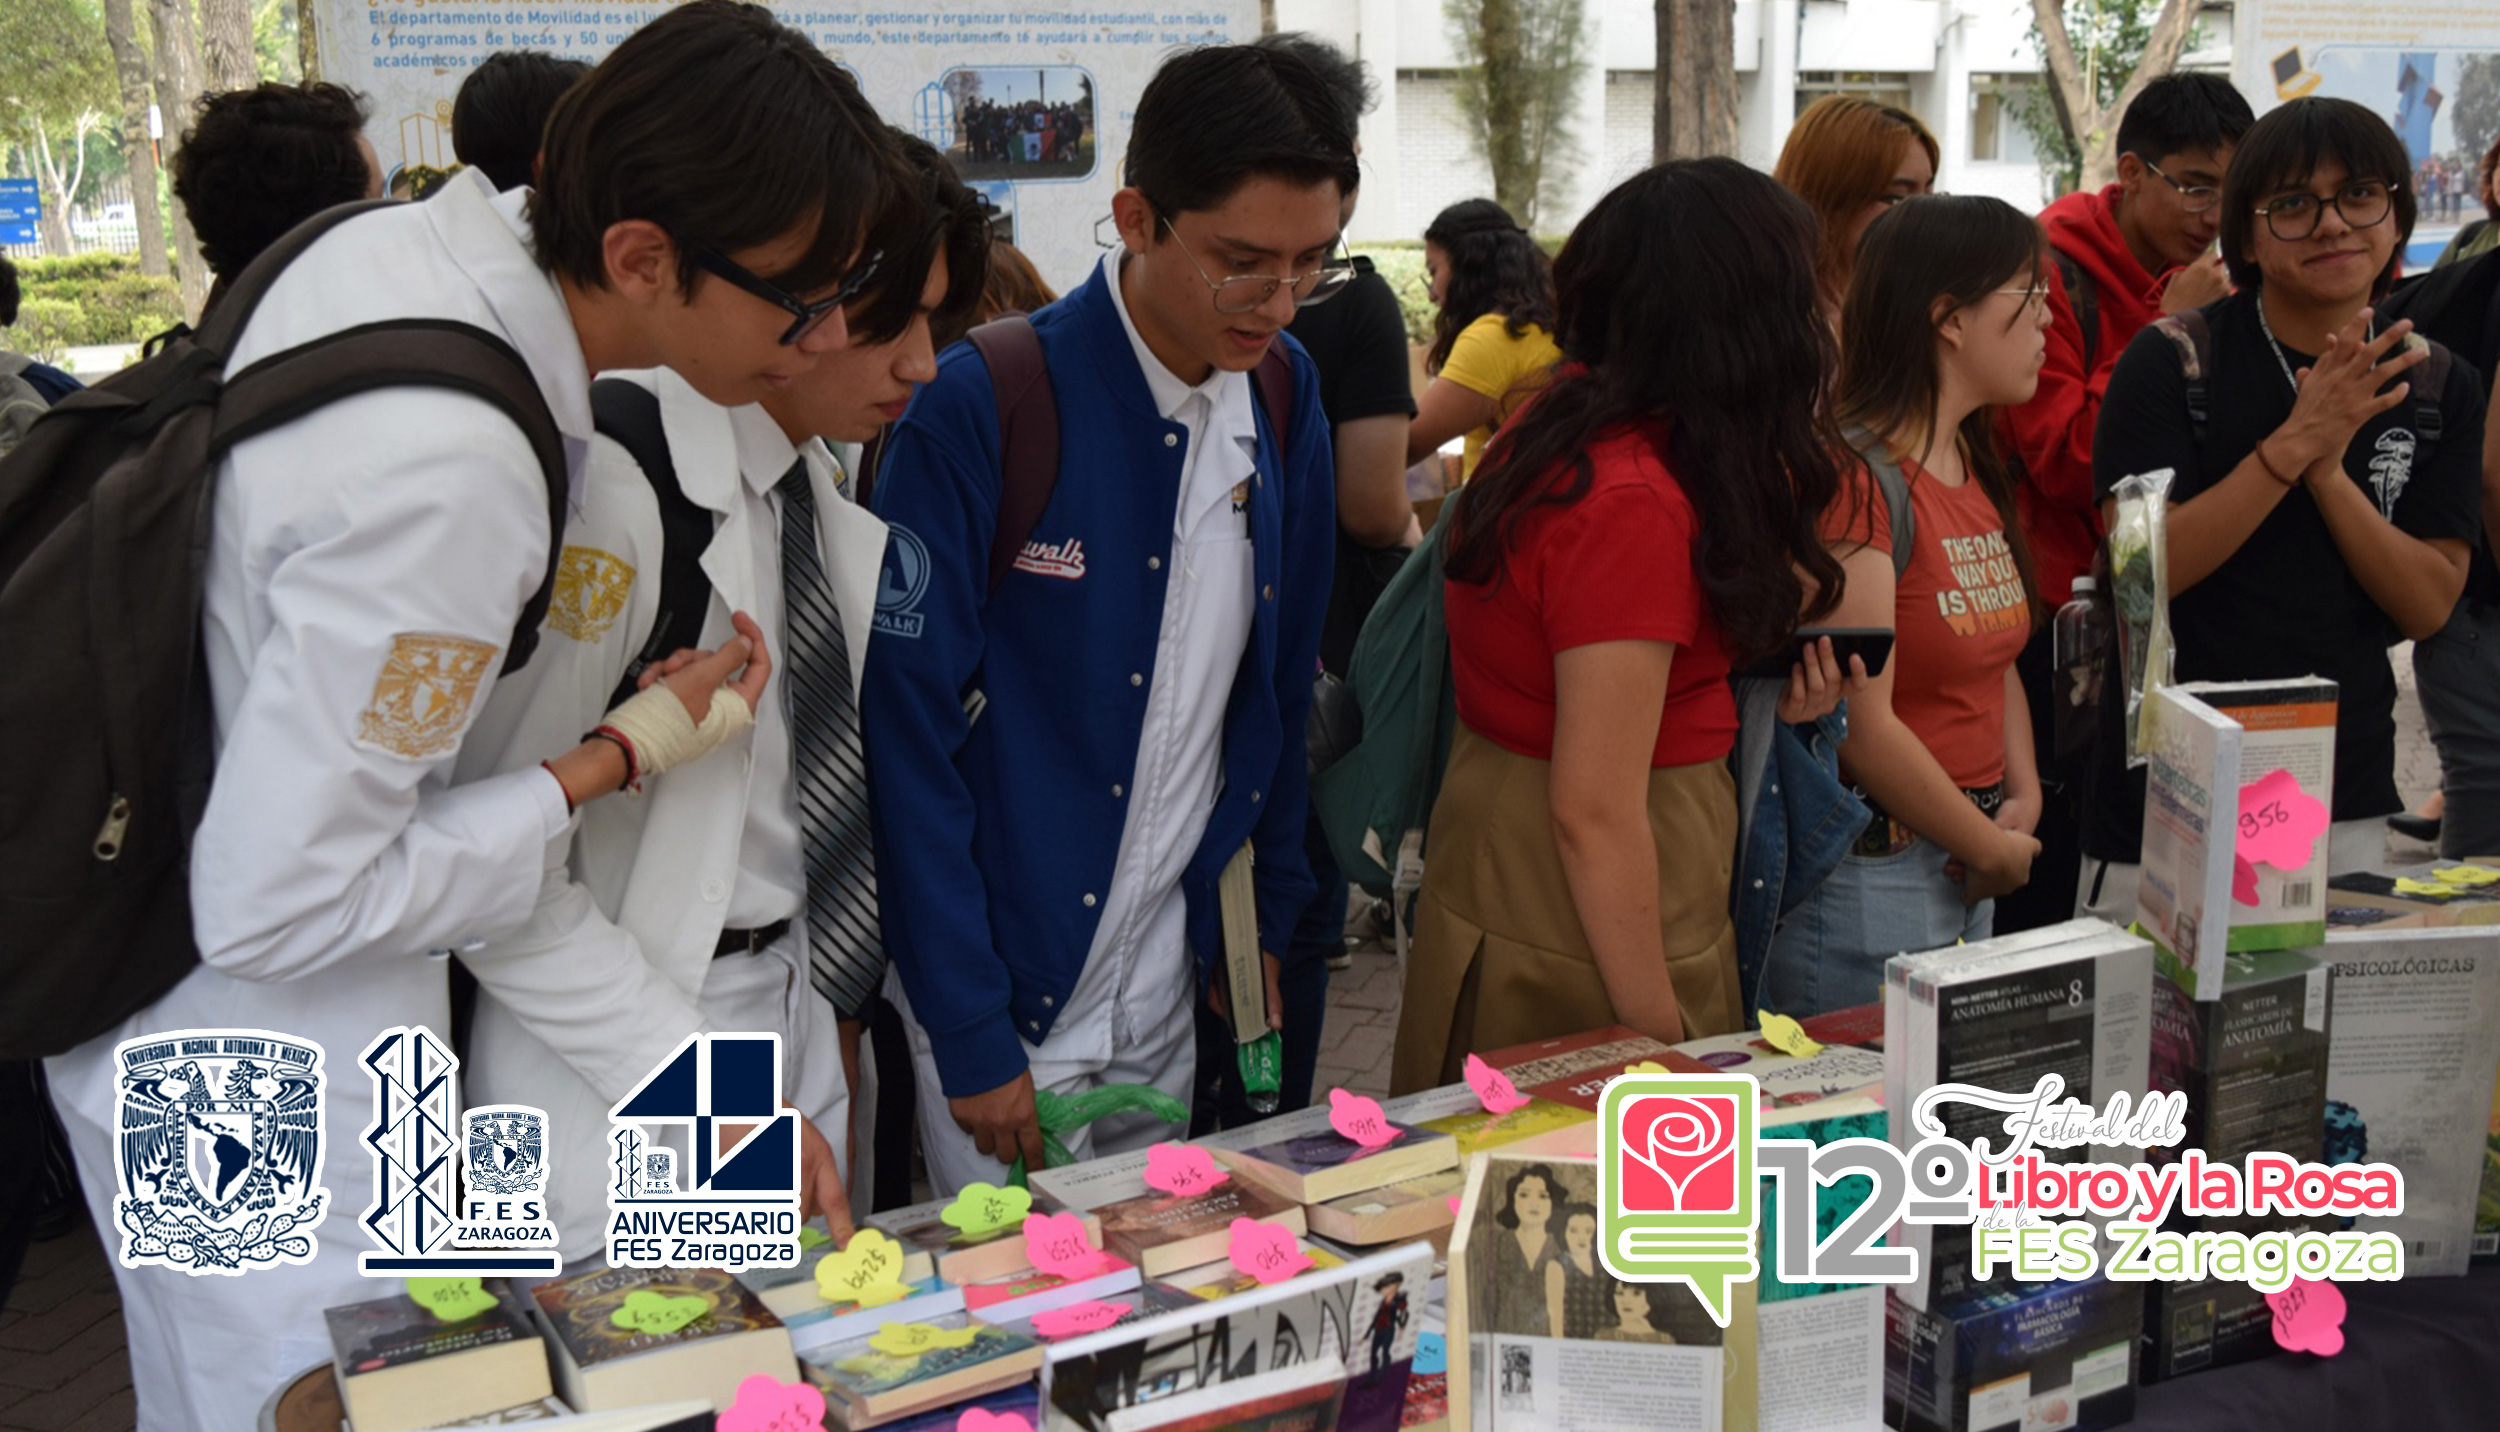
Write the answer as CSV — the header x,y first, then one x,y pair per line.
x,y
105,731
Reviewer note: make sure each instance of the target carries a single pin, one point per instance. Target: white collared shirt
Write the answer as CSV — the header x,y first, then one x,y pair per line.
x,y
772,868
1138,972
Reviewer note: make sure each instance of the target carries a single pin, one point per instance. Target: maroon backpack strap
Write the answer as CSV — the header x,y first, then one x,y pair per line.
x,y
1028,433
1274,377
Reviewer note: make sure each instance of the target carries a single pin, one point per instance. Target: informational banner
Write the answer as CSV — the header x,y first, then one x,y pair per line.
x,y
21,209
2431,68
1032,101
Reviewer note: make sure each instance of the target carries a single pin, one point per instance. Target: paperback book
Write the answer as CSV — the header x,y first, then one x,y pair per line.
x,y
2253,1062
833,1322
400,1367
1574,1068
1014,1299
866,1386
1164,1233
2416,1037
2044,1355
1313,1168
688,1332
1363,1316
792,1290
960,1257
2081,1010
1543,1339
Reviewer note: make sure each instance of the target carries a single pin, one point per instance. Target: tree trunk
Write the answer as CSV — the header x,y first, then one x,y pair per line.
x,y
226,44
2091,124
54,225
177,88
1695,111
1506,118
130,65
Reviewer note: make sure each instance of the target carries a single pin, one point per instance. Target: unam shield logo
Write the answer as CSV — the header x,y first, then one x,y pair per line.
x,y
507,1149
901,582
219,1154
1676,1191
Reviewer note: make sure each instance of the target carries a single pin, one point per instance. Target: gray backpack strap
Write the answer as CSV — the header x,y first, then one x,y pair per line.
x,y
1895,487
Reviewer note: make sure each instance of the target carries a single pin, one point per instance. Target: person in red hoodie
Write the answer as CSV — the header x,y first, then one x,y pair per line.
x,y
2124,256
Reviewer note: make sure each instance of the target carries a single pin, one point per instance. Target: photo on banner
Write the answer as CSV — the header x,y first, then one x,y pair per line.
x,y
1032,103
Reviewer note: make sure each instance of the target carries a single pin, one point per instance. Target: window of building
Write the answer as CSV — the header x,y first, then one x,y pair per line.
x,y
1891,89
1997,134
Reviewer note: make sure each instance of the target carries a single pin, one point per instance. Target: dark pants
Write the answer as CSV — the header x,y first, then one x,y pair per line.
x,y
38,1187
2050,897
2458,674
1304,984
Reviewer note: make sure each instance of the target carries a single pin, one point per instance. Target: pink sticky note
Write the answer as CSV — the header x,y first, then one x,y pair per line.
x,y
767,1404
1183,1170
2279,822
1265,1251
981,1419
1057,1244
2243,882
1358,1117
1078,1318
1454,1201
1492,1087
2309,1317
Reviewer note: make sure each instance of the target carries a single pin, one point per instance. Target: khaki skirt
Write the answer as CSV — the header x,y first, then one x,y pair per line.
x,y
1500,957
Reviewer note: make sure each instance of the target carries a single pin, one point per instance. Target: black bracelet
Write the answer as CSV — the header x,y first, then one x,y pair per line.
x,y
633,768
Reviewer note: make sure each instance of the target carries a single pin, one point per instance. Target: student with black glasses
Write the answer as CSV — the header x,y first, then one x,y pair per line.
x,y
2327,497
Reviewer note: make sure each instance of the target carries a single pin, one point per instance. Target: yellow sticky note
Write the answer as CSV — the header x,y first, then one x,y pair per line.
x,y
1787,1035
913,1339
2406,885
869,1272
2465,875
1646,1066
985,1208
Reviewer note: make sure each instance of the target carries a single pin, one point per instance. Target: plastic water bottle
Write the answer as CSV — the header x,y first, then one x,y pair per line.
x,y
2078,653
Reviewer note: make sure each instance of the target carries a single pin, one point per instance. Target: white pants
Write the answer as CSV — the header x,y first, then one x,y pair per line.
x,y
2107,890
766,992
207,1350
1160,1048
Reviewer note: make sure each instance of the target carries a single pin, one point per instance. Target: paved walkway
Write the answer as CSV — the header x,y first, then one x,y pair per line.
x,y
63,1367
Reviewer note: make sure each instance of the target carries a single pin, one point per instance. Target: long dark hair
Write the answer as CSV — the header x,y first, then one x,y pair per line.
x,y
1495,267
1954,248
1687,296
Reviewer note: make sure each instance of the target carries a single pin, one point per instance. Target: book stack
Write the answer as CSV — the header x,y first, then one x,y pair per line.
x,y
2073,1000
2416,1036
1020,1296
2017,1357
688,1333
400,1367
865,1386
1814,1352
1542,1337
1575,1068
2253,1064
1164,1233
1316,1167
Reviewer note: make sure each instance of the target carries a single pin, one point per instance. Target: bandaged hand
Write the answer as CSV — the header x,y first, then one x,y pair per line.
x,y
694,707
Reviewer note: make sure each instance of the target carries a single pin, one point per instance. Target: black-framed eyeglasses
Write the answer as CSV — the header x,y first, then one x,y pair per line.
x,y
2194,198
1243,293
805,314
2293,217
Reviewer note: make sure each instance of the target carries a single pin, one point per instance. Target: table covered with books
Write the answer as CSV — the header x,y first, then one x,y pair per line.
x,y
1432,1260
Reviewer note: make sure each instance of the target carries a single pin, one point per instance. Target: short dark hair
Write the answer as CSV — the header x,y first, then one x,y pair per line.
x,y
259,161
500,114
2283,149
2180,112
726,128
1349,78
1218,116
8,292
929,219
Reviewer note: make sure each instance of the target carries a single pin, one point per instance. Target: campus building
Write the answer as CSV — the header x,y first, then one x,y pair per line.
x,y
1962,65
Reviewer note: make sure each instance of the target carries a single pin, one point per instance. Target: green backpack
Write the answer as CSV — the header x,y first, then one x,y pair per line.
x,y
1375,795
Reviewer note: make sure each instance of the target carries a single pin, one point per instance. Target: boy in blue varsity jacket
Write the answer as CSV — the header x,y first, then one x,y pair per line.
x,y
1062,766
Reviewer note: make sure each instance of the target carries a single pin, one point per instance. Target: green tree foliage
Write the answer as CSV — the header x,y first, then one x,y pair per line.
x,y
2095,57
1521,64
56,87
2477,117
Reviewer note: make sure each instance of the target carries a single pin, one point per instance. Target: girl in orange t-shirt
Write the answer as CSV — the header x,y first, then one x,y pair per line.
x,y
1945,324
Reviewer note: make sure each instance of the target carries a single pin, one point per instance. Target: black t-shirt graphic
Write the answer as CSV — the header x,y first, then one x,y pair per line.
x,y
2286,603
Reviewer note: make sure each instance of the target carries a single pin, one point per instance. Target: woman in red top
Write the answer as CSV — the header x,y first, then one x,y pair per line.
x,y
1650,516
1946,323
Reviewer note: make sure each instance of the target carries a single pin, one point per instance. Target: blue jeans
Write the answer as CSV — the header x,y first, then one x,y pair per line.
x,y
1830,952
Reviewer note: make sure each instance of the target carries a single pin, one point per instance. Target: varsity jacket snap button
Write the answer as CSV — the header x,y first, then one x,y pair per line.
x,y
1089,902
1137,678
1171,440
1154,564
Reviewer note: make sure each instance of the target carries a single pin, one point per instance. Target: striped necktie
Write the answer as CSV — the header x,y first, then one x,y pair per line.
x,y
845,957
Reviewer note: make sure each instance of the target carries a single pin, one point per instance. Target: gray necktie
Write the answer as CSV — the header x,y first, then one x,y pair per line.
x,y
845,956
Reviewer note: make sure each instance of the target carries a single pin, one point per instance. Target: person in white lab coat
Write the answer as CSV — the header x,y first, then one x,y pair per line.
x,y
368,563
683,911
